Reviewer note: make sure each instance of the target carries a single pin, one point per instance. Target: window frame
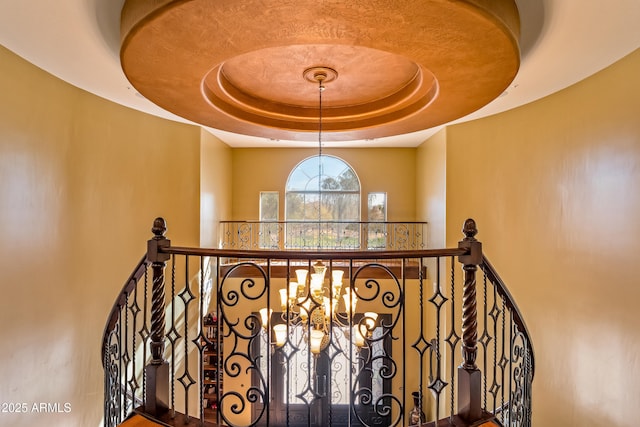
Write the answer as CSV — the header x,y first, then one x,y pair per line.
x,y
300,230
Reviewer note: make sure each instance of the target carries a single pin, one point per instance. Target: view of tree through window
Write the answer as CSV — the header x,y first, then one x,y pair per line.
x,y
268,206
269,216
377,205
321,189
377,213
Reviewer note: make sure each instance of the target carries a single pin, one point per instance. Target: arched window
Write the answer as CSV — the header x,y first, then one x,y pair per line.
x,y
321,192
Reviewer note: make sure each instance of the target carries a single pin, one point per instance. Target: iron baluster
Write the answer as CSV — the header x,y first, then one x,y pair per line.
x,y
173,336
437,384
121,396
485,339
452,338
495,315
144,331
126,357
511,379
201,341
135,309
187,297
422,344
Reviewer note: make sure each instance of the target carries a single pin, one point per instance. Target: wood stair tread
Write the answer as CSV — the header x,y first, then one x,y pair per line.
x,y
139,421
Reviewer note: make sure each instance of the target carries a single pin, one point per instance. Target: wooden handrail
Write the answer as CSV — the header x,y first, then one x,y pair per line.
x,y
314,254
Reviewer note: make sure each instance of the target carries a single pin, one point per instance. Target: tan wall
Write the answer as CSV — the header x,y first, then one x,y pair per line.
x,y
554,188
383,169
215,187
431,190
81,180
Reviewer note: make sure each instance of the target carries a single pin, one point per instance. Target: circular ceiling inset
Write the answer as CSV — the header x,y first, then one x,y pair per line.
x,y
377,87
399,67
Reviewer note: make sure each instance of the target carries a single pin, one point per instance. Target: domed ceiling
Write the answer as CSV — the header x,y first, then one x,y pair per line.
x,y
561,42
252,67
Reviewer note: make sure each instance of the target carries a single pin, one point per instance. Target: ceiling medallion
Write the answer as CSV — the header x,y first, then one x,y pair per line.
x,y
404,66
320,75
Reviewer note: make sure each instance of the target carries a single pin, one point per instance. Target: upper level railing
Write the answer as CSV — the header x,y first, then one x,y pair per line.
x,y
186,341
312,235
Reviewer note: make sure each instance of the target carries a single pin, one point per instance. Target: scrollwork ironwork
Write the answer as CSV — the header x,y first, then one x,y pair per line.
x,y
240,336
344,384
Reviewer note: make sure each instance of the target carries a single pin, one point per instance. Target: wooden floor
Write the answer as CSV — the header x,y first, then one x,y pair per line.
x,y
457,422
137,420
140,421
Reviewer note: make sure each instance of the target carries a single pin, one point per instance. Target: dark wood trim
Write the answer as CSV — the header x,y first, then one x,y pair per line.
x,y
326,254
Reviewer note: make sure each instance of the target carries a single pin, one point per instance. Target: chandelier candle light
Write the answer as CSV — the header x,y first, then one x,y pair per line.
x,y
307,302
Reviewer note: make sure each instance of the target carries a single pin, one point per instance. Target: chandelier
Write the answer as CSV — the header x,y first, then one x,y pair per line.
x,y
320,310
308,302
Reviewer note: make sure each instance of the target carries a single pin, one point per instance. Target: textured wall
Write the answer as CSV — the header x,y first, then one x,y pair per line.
x,y
81,180
215,187
383,169
431,188
553,187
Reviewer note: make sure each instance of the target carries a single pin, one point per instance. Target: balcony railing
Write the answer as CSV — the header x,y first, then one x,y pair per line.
x,y
309,235
186,344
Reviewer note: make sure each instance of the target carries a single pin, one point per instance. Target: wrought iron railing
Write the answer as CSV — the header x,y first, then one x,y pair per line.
x,y
314,235
185,338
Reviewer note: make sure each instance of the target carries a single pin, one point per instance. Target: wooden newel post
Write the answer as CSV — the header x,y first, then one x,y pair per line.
x,y
157,371
469,376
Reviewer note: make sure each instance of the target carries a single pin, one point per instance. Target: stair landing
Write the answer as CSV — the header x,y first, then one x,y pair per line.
x,y
488,421
140,421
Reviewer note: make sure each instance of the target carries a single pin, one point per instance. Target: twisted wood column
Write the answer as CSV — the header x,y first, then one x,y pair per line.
x,y
469,318
157,372
469,376
158,262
